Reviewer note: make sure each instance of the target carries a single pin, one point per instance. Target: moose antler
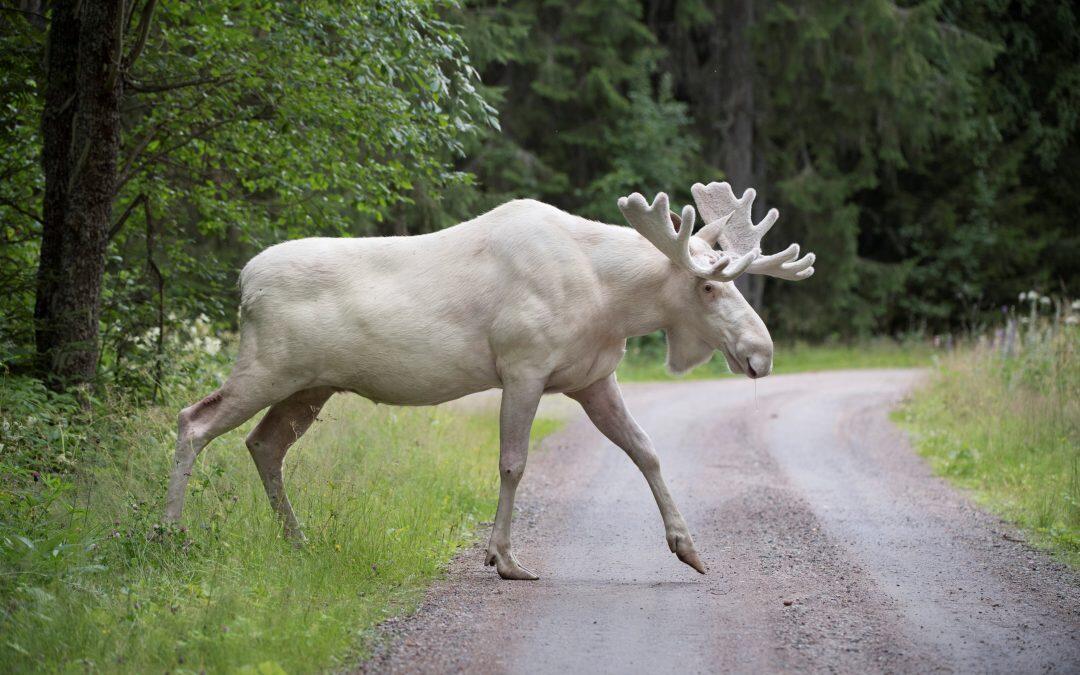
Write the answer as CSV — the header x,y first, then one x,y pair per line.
x,y
731,225
671,235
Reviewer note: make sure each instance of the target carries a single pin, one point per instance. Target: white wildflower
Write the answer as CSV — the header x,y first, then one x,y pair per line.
x,y
1076,305
211,345
1044,300
1072,320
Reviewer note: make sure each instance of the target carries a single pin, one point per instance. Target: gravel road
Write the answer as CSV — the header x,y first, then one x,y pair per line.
x,y
830,545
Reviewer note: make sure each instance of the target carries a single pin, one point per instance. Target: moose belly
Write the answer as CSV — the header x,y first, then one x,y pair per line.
x,y
389,361
415,387
419,377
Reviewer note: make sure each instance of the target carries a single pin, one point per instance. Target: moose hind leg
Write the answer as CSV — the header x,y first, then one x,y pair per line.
x,y
271,439
202,422
250,388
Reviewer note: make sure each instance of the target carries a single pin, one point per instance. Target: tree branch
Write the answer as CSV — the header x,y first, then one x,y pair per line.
x,y
127,212
198,134
26,12
118,53
143,33
156,87
125,174
155,271
18,209
129,14
79,163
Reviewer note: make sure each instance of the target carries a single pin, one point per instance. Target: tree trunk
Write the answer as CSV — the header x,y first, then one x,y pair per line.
x,y
81,137
715,72
737,150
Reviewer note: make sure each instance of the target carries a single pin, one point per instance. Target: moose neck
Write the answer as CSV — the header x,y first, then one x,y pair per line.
x,y
639,283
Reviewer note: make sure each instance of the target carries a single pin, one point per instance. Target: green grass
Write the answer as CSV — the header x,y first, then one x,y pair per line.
x,y
645,361
387,496
1008,430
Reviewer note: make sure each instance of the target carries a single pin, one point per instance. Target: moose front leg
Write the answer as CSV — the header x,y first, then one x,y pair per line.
x,y
604,405
519,402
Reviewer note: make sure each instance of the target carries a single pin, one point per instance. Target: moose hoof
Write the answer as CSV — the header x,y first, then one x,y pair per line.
x,y
508,567
683,546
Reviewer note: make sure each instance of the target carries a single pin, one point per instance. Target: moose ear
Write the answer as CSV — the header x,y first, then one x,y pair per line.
x,y
676,220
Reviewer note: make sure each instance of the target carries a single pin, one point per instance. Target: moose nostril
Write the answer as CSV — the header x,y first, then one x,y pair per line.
x,y
750,369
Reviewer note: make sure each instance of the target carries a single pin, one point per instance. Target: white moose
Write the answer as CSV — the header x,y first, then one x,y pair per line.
x,y
526,298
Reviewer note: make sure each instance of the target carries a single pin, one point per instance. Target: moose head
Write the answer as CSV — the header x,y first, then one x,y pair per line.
x,y
718,317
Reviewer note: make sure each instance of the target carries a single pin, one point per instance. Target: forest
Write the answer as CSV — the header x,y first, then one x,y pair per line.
x,y
927,151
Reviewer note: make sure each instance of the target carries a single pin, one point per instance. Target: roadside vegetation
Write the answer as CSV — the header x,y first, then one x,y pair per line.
x,y
1002,419
645,358
90,582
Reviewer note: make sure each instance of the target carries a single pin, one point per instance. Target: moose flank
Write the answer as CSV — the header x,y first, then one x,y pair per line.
x,y
526,298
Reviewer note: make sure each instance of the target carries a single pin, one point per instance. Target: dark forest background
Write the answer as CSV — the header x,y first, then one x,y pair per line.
x,y
926,151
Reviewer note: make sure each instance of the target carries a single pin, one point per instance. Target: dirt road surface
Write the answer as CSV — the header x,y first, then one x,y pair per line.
x,y
830,545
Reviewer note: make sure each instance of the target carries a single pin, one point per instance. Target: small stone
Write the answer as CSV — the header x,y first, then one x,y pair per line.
x,y
788,603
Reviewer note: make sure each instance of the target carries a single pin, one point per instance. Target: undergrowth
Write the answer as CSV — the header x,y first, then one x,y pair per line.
x,y
91,582
1007,428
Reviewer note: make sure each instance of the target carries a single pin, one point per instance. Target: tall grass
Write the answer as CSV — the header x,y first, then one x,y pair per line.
x,y
644,359
1003,420
91,583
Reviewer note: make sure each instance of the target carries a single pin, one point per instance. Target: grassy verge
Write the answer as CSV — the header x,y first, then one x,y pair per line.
x,y
1008,430
386,494
645,360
